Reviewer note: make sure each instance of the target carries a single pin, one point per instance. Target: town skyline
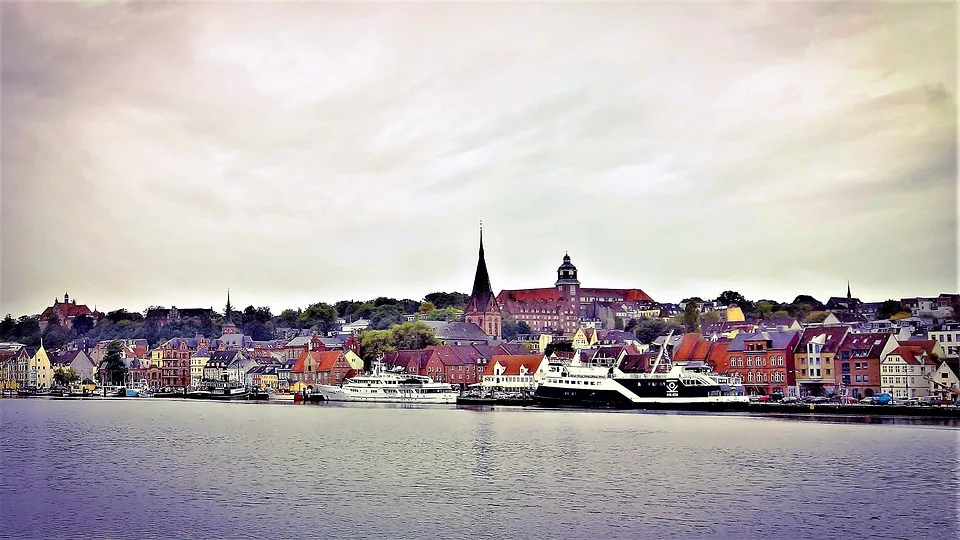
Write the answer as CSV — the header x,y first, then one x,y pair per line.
x,y
160,153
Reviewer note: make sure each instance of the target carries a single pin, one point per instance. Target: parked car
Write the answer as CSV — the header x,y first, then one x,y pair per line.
x,y
847,400
908,402
790,400
928,401
867,401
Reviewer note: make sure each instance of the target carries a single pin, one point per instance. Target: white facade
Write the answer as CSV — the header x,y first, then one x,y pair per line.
x,y
903,380
524,380
944,383
949,339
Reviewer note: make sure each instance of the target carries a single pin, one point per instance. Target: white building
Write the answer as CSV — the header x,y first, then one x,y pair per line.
x,y
905,372
948,336
513,372
945,381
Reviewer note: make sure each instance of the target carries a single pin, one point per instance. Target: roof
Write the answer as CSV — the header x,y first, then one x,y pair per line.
x,y
512,363
777,340
405,358
834,337
925,344
869,345
912,355
457,331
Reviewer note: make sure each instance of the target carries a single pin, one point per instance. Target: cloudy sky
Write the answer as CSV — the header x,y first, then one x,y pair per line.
x,y
160,153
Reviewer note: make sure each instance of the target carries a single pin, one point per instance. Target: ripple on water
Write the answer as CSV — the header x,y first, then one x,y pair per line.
x,y
174,469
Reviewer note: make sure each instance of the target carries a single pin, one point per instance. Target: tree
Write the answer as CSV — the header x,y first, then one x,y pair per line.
x,y
413,335
647,330
321,316
445,314
257,330
815,317
888,308
65,377
55,336
445,300
112,368
426,307
511,328
374,343
900,315
711,317
727,298
385,316
82,324
289,318
691,317
7,327
815,305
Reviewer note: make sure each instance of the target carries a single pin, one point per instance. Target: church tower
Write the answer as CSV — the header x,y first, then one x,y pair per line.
x,y
567,283
482,308
228,326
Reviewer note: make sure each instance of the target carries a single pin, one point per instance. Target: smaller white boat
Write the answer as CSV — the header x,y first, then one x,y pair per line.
x,y
389,387
273,395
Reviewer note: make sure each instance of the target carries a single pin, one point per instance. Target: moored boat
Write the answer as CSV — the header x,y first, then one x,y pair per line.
x,y
220,390
573,384
384,386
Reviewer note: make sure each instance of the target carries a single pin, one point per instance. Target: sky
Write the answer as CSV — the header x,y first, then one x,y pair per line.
x,y
159,153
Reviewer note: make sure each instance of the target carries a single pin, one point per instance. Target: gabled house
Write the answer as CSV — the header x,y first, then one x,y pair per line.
x,y
409,361
814,357
216,368
858,357
40,369
518,373
320,367
763,360
79,361
945,381
948,336
906,372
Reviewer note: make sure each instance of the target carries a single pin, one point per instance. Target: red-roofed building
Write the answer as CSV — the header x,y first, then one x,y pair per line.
x,y
560,309
906,371
66,312
858,359
815,355
515,372
410,361
764,361
320,367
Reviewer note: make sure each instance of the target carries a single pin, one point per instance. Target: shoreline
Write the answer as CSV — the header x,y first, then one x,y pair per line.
x,y
753,409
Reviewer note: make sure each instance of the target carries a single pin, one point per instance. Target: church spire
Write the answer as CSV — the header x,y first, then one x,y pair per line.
x,y
482,293
849,296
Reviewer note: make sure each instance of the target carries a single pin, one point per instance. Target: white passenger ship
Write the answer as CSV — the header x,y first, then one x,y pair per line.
x,y
389,387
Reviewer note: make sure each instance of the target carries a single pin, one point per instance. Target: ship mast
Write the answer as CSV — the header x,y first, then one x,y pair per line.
x,y
663,354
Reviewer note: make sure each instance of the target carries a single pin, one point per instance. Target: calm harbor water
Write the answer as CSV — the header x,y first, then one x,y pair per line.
x,y
177,469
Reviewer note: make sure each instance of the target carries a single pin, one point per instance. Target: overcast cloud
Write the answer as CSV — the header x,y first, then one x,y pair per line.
x,y
159,153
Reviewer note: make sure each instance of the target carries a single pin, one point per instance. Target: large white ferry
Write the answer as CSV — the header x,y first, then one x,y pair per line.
x,y
573,384
389,387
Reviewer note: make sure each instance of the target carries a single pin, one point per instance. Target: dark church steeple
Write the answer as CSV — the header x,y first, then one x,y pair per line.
x,y
482,307
849,296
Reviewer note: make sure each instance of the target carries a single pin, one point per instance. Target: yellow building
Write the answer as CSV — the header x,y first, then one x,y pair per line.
x,y
734,314
41,373
545,339
354,360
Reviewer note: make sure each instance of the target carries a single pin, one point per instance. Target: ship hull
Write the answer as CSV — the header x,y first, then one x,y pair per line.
x,y
376,395
632,393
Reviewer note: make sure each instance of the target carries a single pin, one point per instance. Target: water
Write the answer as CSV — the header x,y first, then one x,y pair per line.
x,y
176,469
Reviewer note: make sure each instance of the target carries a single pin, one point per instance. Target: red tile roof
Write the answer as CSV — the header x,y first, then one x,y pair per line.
x,y
512,362
912,355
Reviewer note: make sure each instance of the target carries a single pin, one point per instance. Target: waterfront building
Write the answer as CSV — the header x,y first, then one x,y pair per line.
x,y
814,356
945,380
409,361
859,358
763,360
482,309
78,360
515,372
216,367
320,367
906,372
40,371
198,361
